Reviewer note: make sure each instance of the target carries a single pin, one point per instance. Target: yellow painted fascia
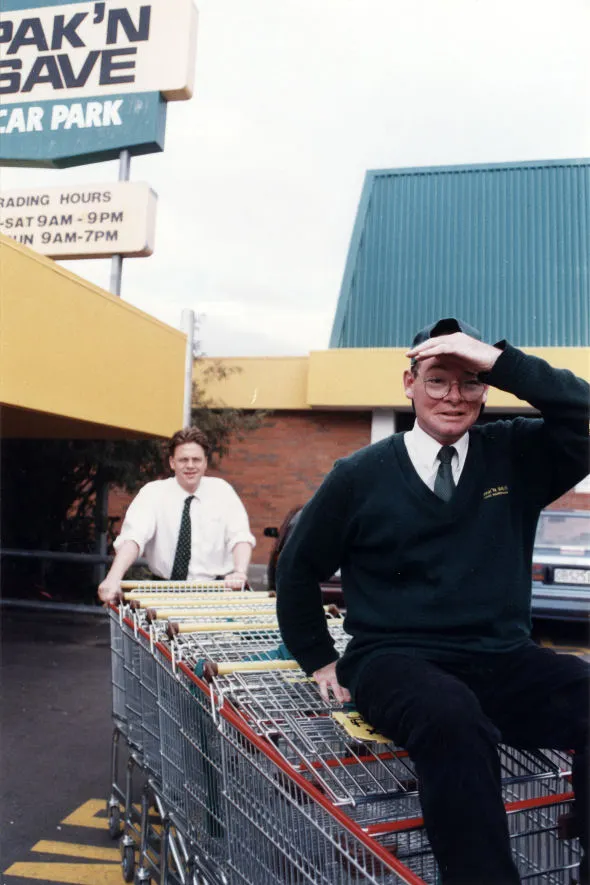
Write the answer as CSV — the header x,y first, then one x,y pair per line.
x,y
348,378
356,378
70,349
255,382
372,377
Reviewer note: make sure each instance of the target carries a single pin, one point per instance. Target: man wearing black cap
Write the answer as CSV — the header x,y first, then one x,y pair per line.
x,y
433,531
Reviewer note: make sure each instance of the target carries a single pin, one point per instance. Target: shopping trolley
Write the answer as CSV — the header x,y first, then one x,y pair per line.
x,y
138,692
257,780
146,710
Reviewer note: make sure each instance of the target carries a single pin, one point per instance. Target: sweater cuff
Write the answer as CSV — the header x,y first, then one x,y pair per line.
x,y
315,658
502,373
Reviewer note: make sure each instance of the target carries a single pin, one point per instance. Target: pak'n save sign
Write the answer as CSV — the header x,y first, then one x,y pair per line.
x,y
80,81
77,49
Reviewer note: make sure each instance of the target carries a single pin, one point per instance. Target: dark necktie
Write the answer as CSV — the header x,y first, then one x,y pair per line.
x,y
444,484
182,557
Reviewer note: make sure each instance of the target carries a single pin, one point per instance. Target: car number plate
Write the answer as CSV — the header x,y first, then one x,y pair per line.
x,y
571,576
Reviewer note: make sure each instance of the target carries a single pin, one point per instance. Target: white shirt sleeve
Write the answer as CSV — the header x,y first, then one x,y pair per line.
x,y
237,526
139,524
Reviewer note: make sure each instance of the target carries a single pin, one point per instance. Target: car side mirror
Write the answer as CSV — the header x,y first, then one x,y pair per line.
x,y
271,531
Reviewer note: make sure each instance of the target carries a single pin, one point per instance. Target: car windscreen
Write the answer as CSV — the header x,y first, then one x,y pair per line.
x,y
558,530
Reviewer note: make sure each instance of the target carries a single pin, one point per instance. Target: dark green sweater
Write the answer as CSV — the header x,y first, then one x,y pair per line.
x,y
428,578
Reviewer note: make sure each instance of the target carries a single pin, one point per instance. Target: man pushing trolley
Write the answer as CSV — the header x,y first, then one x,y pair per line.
x,y
189,526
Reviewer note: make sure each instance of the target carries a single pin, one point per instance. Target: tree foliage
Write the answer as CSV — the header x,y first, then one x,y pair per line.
x,y
222,425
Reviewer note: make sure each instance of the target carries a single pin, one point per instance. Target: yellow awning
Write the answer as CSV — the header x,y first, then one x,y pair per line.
x,y
76,361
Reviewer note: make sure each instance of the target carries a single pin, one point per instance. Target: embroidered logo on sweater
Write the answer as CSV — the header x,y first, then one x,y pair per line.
x,y
495,492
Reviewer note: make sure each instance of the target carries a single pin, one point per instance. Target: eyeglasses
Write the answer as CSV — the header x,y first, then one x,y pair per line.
x,y
438,388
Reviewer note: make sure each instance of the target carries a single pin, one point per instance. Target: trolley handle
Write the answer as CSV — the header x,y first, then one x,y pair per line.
x,y
143,599
175,627
161,614
211,669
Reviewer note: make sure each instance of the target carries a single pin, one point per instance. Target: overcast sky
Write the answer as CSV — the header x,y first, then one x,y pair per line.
x,y
263,168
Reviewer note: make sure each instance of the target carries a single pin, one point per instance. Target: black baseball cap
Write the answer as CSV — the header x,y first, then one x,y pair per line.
x,y
445,327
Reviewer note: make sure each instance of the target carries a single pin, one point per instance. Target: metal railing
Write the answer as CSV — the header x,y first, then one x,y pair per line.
x,y
63,556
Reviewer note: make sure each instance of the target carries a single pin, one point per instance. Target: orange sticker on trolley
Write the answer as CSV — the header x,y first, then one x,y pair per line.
x,y
354,725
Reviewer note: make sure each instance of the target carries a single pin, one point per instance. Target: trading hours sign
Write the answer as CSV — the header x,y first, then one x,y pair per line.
x,y
80,81
86,221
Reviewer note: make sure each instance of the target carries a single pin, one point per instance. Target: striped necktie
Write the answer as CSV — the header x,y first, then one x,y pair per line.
x,y
444,484
182,557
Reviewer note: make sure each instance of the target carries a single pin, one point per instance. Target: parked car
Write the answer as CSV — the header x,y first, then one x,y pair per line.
x,y
331,589
561,564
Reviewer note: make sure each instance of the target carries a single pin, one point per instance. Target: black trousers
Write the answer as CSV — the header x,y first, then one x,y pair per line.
x,y
451,718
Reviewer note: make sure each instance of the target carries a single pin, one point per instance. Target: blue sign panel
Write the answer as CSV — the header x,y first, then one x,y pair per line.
x,y
73,132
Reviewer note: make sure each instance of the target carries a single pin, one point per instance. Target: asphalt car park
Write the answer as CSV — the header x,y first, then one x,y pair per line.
x,y
55,737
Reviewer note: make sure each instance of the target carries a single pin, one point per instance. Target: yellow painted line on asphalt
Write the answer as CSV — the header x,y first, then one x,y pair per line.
x,y
569,649
93,814
72,849
86,815
70,873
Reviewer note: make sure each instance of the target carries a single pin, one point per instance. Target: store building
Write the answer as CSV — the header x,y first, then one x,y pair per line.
x,y
503,246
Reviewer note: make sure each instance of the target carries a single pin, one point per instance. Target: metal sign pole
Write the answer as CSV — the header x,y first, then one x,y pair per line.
x,y
101,508
117,260
187,324
101,515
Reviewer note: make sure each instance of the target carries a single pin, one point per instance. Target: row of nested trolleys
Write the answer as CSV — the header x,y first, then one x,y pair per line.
x,y
254,780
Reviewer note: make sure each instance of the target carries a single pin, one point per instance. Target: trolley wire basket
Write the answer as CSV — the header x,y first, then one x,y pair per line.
x,y
258,781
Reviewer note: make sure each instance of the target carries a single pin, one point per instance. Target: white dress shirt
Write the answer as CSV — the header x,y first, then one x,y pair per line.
x,y
218,522
423,452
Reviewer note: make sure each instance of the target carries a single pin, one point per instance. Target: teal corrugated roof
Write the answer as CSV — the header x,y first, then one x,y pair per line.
x,y
503,246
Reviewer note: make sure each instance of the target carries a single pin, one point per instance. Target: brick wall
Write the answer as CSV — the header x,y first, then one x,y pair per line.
x,y
118,501
280,465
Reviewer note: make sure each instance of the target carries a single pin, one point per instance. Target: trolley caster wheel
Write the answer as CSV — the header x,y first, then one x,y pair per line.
x,y
128,862
115,828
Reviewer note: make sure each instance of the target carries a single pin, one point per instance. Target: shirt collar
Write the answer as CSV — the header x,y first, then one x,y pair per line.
x,y
427,448
182,493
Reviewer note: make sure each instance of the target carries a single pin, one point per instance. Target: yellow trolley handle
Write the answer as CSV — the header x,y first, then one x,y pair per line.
x,y
212,669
